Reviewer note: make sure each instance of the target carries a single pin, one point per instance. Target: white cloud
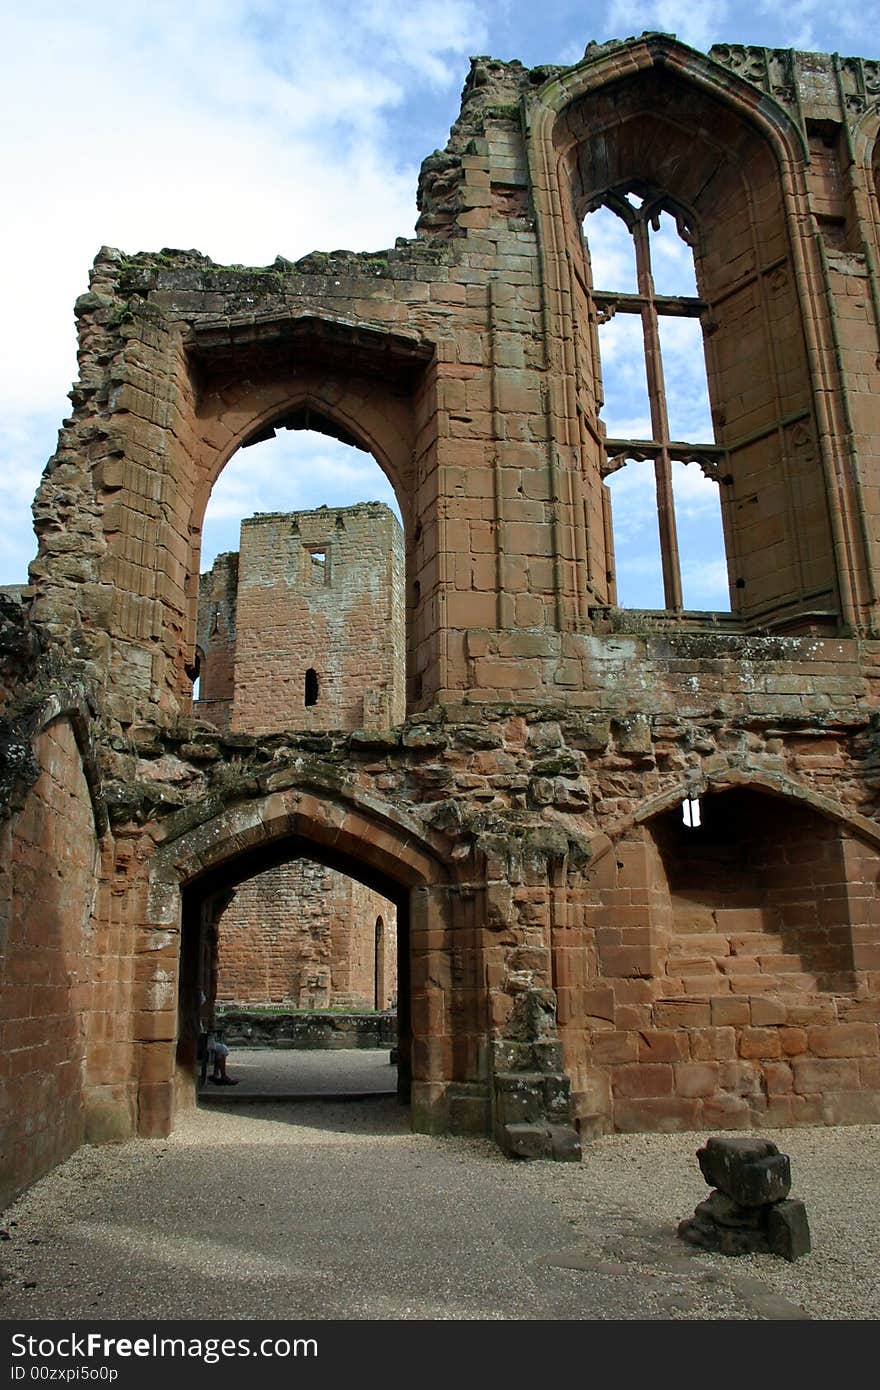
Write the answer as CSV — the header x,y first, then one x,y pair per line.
x,y
699,25
705,586
672,260
296,471
611,250
246,130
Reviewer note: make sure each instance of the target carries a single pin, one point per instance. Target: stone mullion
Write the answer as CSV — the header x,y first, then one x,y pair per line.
x,y
659,422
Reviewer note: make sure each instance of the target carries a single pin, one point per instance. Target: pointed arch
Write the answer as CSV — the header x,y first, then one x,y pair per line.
x,y
654,111
303,371
702,782
327,819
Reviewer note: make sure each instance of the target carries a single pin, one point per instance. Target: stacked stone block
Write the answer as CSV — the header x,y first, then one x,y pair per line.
x,y
749,1210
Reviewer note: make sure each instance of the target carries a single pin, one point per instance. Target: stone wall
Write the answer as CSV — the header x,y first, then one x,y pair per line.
x,y
215,640
568,953
48,963
312,1031
308,936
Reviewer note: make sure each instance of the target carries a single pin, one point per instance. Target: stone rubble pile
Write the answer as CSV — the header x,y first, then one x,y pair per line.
x,y
749,1210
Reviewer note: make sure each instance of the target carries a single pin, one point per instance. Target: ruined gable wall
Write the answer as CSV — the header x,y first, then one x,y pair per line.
x,y
303,935
504,508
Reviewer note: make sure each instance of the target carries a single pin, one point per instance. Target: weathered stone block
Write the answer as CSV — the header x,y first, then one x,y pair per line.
x,y
788,1231
527,1141
750,1171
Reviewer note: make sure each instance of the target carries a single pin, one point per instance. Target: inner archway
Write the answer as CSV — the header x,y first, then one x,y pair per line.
x,y
279,952
296,468
309,814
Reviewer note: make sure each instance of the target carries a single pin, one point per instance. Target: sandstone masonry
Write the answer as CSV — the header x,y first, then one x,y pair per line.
x,y
574,956
305,935
304,626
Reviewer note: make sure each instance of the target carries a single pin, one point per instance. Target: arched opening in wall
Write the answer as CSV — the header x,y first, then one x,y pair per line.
x,y
759,897
283,950
678,154
301,606
379,964
661,459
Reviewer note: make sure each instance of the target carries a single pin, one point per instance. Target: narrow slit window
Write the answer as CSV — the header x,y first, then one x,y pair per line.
x,y
311,687
317,564
690,812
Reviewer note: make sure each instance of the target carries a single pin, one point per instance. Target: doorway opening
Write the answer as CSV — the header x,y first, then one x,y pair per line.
x,y
283,963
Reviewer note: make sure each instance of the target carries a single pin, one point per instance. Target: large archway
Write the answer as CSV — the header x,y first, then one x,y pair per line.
x,y
216,956
374,843
358,387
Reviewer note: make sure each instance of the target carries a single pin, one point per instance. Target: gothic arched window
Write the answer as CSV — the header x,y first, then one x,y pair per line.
x,y
661,458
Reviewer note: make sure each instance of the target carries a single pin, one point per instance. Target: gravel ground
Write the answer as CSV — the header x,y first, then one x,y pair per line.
x,y
266,1071
323,1209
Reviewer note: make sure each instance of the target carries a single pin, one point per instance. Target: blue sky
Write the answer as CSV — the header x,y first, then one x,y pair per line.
x,y
250,130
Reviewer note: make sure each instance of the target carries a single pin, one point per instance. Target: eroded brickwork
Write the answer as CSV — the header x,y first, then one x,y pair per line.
x,y
215,640
48,966
570,952
305,935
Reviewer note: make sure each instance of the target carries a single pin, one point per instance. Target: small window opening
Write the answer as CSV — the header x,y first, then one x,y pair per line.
x,y
690,812
311,687
317,564
379,965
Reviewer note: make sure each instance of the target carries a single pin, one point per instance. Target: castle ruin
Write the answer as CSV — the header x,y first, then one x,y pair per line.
x,y
634,855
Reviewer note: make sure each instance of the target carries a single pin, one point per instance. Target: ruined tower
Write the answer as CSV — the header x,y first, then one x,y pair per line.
x,y
303,627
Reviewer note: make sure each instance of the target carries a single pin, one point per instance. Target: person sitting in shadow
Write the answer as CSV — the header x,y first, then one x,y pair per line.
x,y
220,1052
